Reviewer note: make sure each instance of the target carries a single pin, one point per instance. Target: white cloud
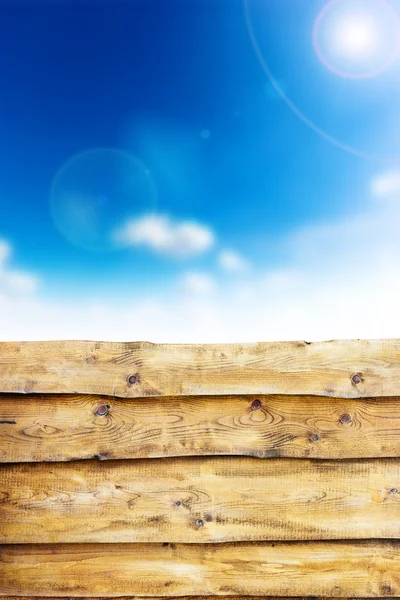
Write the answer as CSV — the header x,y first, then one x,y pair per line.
x,y
232,261
13,281
342,280
19,282
5,251
164,236
198,283
386,185
282,281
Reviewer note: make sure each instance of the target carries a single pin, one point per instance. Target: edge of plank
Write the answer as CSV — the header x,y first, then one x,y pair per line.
x,y
341,368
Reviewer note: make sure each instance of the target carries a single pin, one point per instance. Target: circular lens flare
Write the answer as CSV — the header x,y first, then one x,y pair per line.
x,y
96,192
357,38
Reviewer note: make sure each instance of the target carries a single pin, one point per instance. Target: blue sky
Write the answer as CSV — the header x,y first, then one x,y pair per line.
x,y
199,170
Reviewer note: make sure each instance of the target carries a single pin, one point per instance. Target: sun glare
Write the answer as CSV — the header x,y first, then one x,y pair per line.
x,y
357,38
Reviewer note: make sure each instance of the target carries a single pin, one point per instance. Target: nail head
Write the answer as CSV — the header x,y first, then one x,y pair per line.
x,y
356,378
394,491
314,437
199,523
178,503
102,410
132,379
255,405
344,419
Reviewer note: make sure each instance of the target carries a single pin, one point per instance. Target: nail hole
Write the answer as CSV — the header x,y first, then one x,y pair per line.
x,y
344,419
255,405
314,437
199,523
102,410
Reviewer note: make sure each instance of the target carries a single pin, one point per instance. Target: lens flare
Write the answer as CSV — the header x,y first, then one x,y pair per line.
x,y
357,38
96,192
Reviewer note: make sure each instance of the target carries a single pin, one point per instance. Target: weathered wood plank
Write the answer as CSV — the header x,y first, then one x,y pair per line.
x,y
329,569
350,369
176,598
199,500
58,428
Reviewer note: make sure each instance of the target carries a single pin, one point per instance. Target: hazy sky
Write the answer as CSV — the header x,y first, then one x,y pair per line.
x,y
199,170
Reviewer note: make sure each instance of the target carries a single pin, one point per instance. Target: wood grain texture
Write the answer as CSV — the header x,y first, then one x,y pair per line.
x,y
176,598
59,428
144,369
329,569
199,500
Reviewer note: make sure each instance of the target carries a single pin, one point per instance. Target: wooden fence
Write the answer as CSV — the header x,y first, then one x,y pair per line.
x,y
142,470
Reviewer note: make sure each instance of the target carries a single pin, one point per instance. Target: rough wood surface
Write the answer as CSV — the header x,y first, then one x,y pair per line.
x,y
199,500
176,598
59,428
330,569
350,369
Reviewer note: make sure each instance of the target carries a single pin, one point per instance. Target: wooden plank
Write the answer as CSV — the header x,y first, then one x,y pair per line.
x,y
59,428
175,598
329,569
199,500
349,369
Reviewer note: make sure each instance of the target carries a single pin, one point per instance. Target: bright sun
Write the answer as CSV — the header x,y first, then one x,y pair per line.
x,y
357,38
357,35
